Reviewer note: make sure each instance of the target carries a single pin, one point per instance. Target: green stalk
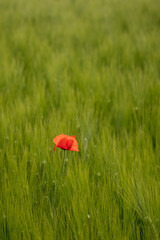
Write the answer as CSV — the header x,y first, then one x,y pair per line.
x,y
56,191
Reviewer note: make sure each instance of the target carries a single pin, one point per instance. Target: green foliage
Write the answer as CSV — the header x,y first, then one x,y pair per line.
x,y
90,69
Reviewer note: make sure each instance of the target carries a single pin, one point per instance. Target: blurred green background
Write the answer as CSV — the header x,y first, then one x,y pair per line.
x,y
90,69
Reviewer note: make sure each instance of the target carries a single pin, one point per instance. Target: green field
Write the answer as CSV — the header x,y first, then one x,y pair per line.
x,y
90,69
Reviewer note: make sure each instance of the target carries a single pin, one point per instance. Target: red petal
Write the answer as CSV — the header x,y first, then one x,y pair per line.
x,y
66,142
74,146
58,138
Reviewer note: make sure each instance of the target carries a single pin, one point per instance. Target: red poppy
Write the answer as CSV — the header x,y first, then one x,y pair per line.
x,y
66,142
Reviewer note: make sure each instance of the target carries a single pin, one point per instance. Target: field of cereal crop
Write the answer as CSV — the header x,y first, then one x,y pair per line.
x,y
90,69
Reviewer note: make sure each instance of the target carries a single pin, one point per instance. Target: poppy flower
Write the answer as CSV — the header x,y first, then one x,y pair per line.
x,y
66,142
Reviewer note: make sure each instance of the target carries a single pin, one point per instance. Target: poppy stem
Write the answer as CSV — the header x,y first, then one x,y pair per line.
x,y
60,178
61,174
63,166
57,188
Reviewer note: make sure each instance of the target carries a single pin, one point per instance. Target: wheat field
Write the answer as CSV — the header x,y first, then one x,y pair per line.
x,y
90,69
